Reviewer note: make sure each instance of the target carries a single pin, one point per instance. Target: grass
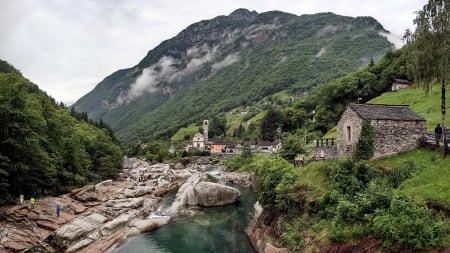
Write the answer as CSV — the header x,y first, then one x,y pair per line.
x,y
190,130
427,106
431,182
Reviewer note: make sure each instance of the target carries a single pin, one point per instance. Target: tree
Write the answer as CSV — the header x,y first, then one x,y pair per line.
x,y
246,151
292,145
431,45
239,132
270,123
217,126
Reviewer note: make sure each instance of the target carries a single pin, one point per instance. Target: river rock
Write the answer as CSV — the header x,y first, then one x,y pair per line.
x,y
213,194
118,222
85,194
245,178
80,227
137,191
272,249
150,224
83,243
118,204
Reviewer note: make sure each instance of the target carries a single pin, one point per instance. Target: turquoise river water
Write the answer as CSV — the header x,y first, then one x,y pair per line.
x,y
207,230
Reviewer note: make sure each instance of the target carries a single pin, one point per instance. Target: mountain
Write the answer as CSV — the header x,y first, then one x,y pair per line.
x,y
215,65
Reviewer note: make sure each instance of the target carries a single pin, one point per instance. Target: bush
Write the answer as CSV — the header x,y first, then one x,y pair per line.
x,y
410,224
343,177
398,175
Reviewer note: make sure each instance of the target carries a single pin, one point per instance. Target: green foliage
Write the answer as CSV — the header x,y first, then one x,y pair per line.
x,y
271,124
246,151
292,145
291,233
5,67
345,201
44,149
407,223
398,175
343,177
217,126
365,146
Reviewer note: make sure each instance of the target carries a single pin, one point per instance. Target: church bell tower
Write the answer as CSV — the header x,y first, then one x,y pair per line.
x,y
205,131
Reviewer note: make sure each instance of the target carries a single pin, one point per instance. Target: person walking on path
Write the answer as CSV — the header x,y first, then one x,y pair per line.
x,y
21,198
438,133
58,210
32,201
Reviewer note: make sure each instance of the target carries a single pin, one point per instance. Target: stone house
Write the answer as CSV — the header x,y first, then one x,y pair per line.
x,y
398,84
397,128
269,147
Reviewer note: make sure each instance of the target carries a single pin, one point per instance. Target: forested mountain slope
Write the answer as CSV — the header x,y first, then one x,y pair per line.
x,y
215,65
46,149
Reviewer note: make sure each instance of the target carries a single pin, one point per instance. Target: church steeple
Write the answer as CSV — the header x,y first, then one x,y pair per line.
x,y
205,131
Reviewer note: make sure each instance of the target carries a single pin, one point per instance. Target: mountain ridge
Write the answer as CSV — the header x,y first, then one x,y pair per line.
x,y
234,59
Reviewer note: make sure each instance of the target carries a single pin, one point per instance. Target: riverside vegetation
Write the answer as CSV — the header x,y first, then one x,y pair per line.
x,y
394,204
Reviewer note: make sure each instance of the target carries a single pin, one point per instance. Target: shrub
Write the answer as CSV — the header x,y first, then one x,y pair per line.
x,y
404,171
409,224
343,177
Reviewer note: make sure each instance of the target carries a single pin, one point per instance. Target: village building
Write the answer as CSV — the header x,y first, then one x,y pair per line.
x,y
252,144
397,128
398,84
220,146
270,147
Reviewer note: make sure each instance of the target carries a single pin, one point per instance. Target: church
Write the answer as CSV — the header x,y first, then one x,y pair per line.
x,y
200,141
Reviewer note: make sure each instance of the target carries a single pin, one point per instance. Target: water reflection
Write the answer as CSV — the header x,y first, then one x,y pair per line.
x,y
204,230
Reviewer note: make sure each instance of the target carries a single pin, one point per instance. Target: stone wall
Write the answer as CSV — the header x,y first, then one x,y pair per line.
x,y
325,152
394,137
348,130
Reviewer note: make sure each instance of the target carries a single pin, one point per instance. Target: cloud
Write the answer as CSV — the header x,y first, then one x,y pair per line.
x,y
227,61
166,71
393,38
58,43
149,80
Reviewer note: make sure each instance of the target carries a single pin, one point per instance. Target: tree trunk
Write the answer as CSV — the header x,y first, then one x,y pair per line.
x,y
443,103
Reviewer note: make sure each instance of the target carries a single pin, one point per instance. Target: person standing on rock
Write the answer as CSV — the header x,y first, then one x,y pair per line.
x,y
58,210
21,198
32,200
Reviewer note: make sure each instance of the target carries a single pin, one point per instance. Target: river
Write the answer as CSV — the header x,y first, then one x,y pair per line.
x,y
204,230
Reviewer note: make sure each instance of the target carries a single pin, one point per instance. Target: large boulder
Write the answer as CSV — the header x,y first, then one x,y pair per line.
x,y
213,194
198,192
80,227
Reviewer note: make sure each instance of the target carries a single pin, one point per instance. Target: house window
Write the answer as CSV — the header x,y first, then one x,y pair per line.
x,y
349,133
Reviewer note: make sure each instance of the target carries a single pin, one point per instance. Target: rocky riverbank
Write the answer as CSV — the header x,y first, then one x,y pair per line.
x,y
96,217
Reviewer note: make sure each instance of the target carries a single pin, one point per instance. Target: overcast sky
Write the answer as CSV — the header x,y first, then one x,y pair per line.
x,y
67,46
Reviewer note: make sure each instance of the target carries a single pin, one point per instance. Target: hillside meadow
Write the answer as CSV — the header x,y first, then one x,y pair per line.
x,y
427,105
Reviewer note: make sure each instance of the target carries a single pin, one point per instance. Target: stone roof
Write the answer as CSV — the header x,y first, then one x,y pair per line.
x,y
385,112
402,81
